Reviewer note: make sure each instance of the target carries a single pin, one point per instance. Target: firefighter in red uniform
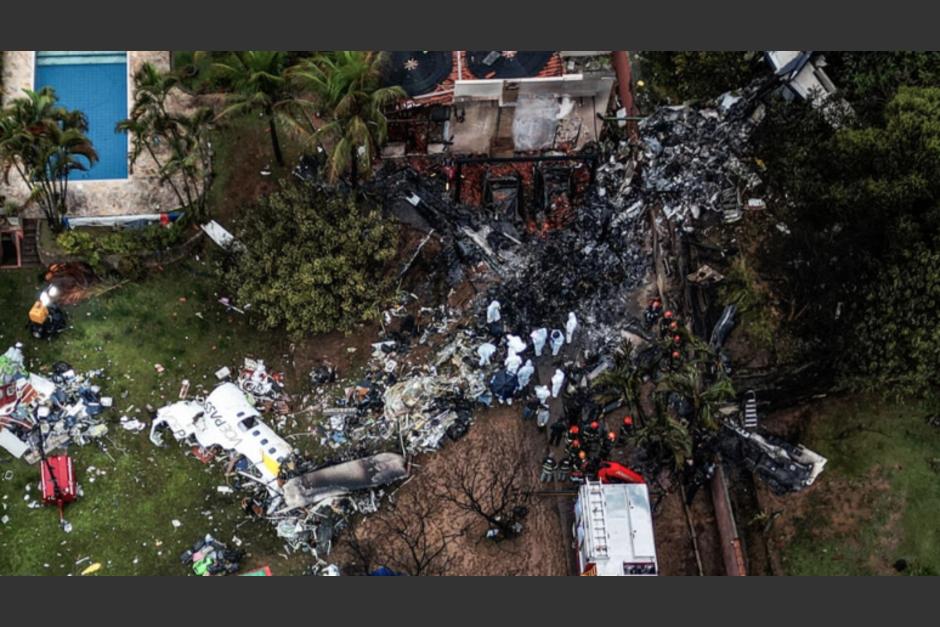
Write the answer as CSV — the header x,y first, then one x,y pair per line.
x,y
653,310
572,434
607,444
573,448
668,324
592,432
626,430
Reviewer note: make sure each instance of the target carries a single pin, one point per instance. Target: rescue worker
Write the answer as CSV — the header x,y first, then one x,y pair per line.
x,y
548,469
666,321
558,380
542,393
607,444
493,318
486,351
572,434
626,430
525,374
570,326
556,341
592,432
492,312
675,359
583,463
539,336
514,344
563,470
558,430
573,448
653,311
513,363
541,418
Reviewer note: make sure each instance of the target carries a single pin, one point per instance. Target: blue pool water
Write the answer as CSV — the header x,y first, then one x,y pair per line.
x,y
94,82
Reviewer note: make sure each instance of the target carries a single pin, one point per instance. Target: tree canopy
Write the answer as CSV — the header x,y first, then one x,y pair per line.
x,y
316,260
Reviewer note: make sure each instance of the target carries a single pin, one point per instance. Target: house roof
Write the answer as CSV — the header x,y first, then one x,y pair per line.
x,y
465,66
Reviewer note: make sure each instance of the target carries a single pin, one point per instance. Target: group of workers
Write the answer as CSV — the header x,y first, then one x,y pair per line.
x,y
670,329
516,373
587,445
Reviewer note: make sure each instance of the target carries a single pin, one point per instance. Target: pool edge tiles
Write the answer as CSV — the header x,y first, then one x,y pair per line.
x,y
96,83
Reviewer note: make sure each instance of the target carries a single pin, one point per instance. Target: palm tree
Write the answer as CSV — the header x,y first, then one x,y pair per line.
x,y
186,165
666,438
622,381
44,143
347,88
258,83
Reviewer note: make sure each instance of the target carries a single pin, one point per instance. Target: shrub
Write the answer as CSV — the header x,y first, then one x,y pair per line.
x,y
95,247
315,260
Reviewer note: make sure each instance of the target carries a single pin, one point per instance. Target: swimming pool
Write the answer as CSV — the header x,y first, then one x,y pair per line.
x,y
94,82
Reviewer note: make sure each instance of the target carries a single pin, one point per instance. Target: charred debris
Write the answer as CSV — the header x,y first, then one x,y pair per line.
x,y
563,260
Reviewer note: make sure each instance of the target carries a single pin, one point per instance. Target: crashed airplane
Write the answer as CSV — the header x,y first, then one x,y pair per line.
x,y
227,420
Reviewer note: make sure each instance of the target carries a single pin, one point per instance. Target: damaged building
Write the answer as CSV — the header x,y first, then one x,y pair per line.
x,y
497,103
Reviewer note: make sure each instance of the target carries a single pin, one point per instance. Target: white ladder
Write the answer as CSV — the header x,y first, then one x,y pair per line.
x,y
750,414
598,506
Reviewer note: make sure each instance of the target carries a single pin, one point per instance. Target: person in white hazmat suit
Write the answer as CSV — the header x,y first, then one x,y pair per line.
x,y
514,344
558,380
542,393
557,341
486,351
539,337
570,326
492,312
525,374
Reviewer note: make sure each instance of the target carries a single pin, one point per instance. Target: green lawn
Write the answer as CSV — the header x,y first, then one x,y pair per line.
x,y
124,518
885,459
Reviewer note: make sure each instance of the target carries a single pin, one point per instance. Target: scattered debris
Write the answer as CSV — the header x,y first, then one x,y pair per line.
x,y
210,557
39,413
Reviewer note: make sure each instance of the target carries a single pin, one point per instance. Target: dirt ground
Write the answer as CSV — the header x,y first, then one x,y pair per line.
x,y
545,545
674,548
847,502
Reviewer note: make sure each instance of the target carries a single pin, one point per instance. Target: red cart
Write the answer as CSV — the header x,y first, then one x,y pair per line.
x,y
58,482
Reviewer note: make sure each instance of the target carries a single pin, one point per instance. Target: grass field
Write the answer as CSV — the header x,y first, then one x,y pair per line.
x,y
879,500
124,520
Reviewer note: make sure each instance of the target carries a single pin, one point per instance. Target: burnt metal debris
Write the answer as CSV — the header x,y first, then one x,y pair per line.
x,y
552,309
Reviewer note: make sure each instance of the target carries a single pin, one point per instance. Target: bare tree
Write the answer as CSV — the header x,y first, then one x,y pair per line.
x,y
492,481
402,537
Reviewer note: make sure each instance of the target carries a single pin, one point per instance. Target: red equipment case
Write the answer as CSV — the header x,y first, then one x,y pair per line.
x,y
58,480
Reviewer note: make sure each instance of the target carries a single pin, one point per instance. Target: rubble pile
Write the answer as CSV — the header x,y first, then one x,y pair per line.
x,y
691,160
414,410
589,268
41,414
